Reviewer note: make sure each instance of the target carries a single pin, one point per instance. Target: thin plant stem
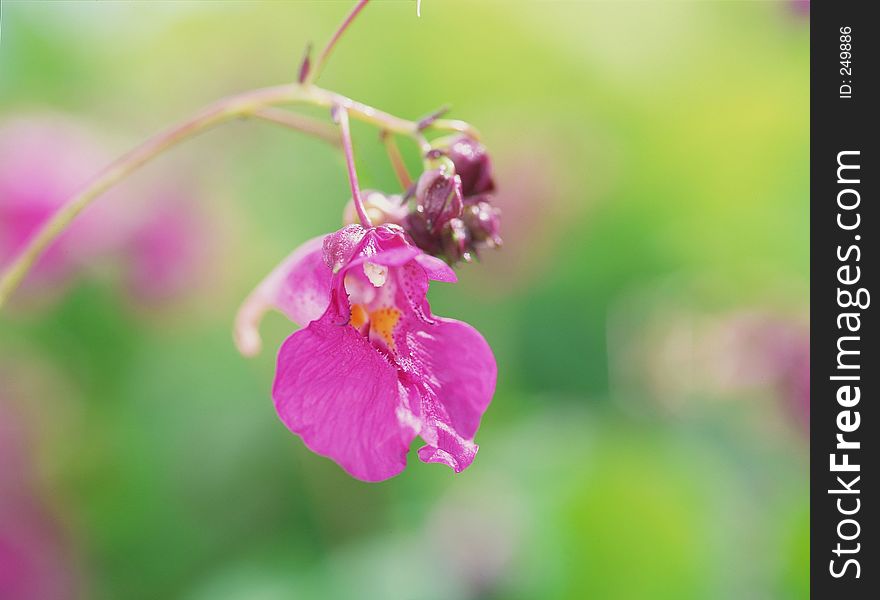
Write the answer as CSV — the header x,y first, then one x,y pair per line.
x,y
456,125
328,49
396,160
321,130
256,103
247,104
341,116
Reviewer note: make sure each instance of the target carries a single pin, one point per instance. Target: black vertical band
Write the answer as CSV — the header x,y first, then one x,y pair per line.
x,y
844,228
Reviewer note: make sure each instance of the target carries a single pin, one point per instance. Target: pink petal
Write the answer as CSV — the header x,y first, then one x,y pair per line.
x,y
449,372
450,450
394,257
436,269
305,291
338,393
299,287
463,366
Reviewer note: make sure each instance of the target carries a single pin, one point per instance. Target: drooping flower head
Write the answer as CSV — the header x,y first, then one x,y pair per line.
x,y
373,368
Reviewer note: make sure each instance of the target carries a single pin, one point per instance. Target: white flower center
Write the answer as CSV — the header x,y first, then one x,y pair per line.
x,y
377,274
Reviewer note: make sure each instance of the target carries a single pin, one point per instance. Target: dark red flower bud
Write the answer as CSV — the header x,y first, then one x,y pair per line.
x,y
483,222
452,216
472,164
438,197
456,241
417,228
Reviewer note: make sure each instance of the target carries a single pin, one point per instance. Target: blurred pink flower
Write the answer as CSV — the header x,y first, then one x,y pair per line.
x,y
543,210
168,249
800,7
681,353
43,161
374,368
758,349
34,561
152,234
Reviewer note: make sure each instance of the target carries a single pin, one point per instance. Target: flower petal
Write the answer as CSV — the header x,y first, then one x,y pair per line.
x,y
299,287
338,393
458,373
446,368
464,370
393,257
436,269
450,450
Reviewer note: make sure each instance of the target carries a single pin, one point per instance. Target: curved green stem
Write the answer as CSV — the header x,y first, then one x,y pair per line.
x,y
396,160
247,104
297,122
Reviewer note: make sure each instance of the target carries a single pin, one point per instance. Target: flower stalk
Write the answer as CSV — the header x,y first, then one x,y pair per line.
x,y
341,117
396,160
248,104
323,131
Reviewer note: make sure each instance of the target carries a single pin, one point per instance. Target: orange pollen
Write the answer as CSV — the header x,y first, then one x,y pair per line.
x,y
383,322
358,317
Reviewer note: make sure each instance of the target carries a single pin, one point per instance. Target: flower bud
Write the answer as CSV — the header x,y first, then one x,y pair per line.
x,y
380,208
483,222
452,216
417,228
472,164
456,241
438,197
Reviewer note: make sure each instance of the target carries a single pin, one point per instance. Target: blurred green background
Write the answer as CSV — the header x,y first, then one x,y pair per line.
x,y
652,164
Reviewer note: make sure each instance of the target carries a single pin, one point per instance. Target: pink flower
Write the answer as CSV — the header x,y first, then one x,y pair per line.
x,y
168,252
373,368
153,233
35,558
43,161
